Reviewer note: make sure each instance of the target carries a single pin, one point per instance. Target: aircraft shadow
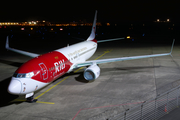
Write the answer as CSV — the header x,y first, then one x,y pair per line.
x,y
128,69
136,68
79,78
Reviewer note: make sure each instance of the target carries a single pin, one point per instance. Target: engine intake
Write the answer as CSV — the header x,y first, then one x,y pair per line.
x,y
92,72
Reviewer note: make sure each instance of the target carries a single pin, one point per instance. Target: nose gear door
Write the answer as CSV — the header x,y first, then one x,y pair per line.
x,y
44,71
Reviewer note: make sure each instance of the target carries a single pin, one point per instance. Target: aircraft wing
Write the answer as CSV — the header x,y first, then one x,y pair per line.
x,y
117,59
87,63
19,51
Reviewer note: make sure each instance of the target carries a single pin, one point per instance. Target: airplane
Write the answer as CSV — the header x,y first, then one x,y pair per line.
x,y
43,69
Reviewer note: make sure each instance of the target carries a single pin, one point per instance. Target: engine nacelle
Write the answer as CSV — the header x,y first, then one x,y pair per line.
x,y
92,72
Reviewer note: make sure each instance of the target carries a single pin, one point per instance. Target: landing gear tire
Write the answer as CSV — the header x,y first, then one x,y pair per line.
x,y
31,99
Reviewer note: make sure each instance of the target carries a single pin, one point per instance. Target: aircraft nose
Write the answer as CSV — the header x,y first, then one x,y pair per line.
x,y
15,87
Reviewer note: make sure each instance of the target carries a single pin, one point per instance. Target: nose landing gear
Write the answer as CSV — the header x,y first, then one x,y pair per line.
x,y
31,99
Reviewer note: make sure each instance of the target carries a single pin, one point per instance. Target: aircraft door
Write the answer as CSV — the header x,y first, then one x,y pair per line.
x,y
77,55
44,71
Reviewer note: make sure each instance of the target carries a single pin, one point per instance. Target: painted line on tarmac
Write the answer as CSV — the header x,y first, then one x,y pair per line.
x,y
104,107
45,102
105,52
51,88
122,105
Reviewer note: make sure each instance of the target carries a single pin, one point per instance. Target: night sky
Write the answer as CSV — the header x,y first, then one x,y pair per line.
x,y
108,11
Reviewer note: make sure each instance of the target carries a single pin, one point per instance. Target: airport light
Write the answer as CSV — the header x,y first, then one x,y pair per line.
x,y
167,20
128,37
44,21
157,20
61,28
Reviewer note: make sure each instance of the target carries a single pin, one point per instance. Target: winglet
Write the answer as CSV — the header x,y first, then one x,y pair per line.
x,y
172,47
92,35
19,51
7,42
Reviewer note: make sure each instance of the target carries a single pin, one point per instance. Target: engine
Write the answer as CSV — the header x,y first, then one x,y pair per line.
x,y
92,72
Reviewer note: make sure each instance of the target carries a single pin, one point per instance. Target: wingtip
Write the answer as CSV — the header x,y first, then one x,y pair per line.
x,y
172,46
7,42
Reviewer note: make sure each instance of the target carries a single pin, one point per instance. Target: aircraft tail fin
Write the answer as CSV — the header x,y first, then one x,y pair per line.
x,y
93,31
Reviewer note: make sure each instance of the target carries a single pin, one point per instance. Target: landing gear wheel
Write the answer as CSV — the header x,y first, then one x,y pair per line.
x,y
31,99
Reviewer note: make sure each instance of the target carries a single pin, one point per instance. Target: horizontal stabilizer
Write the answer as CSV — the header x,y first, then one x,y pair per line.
x,y
109,40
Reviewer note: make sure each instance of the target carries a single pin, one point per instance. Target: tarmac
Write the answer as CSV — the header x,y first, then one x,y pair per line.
x,y
120,86
173,115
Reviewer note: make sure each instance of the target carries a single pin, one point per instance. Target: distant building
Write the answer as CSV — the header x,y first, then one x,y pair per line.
x,y
47,23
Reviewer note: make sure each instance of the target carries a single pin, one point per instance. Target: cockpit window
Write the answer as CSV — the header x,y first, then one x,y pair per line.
x,y
23,75
15,75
